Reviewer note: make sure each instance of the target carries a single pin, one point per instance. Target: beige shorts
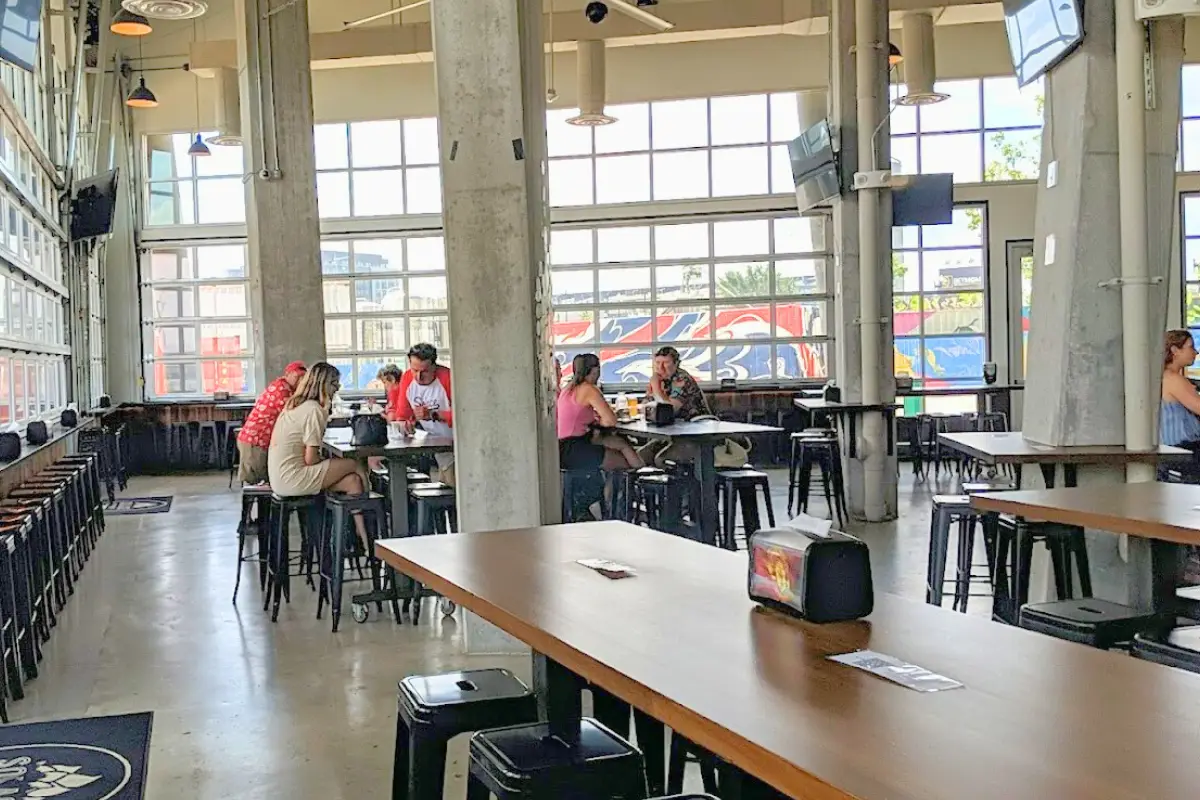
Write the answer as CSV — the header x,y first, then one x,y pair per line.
x,y
252,463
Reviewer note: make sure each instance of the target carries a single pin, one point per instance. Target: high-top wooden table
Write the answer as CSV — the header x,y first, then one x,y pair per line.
x,y
1014,449
1038,718
1168,514
698,438
845,417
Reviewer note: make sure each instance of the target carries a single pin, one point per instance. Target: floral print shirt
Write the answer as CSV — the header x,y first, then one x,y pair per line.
x,y
683,387
260,423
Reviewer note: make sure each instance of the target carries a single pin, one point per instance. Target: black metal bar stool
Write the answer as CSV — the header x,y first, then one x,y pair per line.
x,y
682,751
1091,621
31,627
1067,545
1156,645
70,514
580,488
278,546
233,456
55,527
256,513
33,514
660,496
825,453
735,484
526,762
339,508
433,709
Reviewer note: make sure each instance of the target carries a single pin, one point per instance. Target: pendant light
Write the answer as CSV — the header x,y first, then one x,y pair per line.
x,y
126,23
198,149
141,96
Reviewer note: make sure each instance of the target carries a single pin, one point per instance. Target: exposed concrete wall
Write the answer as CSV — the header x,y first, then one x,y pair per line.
x,y
123,344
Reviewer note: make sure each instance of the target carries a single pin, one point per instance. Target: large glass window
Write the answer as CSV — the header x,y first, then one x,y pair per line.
x,y
988,130
744,298
196,312
184,190
381,297
379,168
1190,219
939,300
674,150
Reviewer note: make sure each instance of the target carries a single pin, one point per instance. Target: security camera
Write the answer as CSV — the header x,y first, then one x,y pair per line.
x,y
596,12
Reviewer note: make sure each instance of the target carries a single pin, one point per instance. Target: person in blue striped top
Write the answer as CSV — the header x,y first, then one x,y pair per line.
x,y
1179,417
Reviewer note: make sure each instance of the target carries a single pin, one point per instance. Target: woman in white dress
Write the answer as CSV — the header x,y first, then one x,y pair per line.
x,y
294,462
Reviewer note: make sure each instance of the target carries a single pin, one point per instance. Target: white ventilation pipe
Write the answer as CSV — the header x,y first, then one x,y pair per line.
x,y
228,108
592,75
1135,268
920,60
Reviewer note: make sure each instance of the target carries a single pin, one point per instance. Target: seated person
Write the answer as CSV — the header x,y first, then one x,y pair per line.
x,y
422,399
672,384
255,436
583,414
294,459
390,376
1179,418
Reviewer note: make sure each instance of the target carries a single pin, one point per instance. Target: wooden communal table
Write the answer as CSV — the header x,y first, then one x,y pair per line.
x,y
1038,718
995,449
845,417
1168,514
698,438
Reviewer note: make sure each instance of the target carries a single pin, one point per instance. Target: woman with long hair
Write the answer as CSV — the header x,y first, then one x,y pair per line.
x,y
583,417
294,462
1179,416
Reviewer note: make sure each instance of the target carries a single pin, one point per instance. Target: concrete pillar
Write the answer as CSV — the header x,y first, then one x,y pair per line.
x,y
1074,393
843,115
281,200
491,110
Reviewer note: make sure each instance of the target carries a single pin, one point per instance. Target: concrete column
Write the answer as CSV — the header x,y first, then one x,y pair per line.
x,y
843,115
281,199
1074,393
491,110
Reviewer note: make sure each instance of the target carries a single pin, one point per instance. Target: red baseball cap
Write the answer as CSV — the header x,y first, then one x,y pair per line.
x,y
295,366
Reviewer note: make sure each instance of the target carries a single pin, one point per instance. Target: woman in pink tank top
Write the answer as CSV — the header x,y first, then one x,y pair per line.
x,y
583,416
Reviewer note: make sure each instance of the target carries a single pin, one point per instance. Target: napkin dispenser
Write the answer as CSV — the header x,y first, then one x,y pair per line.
x,y
820,577
660,414
831,393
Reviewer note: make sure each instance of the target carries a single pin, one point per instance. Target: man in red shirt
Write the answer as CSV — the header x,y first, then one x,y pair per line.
x,y
421,399
255,436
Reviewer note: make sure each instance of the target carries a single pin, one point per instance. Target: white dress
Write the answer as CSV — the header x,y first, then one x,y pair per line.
x,y
297,428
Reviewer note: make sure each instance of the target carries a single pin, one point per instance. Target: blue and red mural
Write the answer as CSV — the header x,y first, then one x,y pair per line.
x,y
943,358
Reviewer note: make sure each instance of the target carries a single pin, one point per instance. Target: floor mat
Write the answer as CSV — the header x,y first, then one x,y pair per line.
x,y
139,505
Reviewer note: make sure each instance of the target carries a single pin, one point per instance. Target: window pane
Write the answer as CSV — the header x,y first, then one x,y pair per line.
x,y
683,324
742,237
785,117
337,336
375,144
333,194
569,287
571,182
378,255
1191,261
221,200
221,262
575,247
965,230
679,123
378,192
427,294
744,362
904,155
345,368
235,377
168,304
427,253
679,176
958,153
691,240
330,145
741,171
947,314
955,357
175,341
623,179
631,132
626,365
380,335
1191,90
337,297
563,139
335,258
794,320
166,155
626,325
168,204
739,120
574,327
744,322
799,234
952,269
1012,155
423,189
434,330
222,301
802,360
961,112
782,181
615,245
743,280
224,338
802,276
1191,145
170,265
1005,105
225,161
421,141
379,294
683,283
624,285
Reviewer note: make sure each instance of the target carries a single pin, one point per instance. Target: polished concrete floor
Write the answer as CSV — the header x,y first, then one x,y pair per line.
x,y
246,709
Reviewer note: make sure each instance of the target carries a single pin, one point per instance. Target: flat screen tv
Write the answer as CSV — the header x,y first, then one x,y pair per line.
x,y
20,25
1041,33
814,167
926,200
93,202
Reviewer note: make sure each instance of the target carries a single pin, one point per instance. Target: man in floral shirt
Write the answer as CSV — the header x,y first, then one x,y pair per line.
x,y
255,436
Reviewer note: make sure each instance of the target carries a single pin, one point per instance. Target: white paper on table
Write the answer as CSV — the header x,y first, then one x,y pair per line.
x,y
893,669
1188,592
1187,637
813,526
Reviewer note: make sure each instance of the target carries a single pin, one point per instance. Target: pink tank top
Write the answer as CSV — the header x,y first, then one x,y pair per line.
x,y
573,418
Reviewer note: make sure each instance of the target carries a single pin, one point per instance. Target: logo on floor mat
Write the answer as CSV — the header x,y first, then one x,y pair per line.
x,y
139,505
67,771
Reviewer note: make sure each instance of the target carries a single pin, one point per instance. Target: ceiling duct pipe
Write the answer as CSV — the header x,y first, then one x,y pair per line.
x,y
592,76
229,109
920,60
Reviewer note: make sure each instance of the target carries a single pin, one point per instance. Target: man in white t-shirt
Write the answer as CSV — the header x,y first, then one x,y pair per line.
x,y
423,400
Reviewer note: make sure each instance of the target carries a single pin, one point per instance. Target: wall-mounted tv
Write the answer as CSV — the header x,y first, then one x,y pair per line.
x,y
93,203
925,200
20,25
1041,33
814,167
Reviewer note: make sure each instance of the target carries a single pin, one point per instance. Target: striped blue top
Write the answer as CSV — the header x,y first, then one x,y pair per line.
x,y
1177,425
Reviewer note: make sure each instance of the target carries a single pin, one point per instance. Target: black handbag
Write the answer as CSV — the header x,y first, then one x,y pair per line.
x,y
368,430
10,446
37,433
70,418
